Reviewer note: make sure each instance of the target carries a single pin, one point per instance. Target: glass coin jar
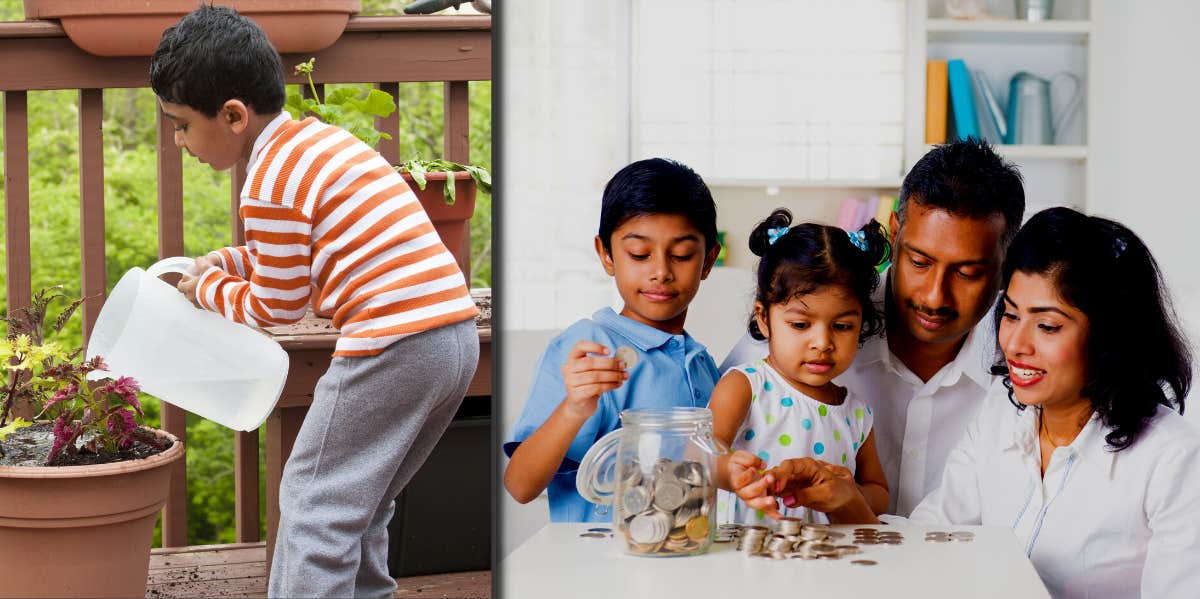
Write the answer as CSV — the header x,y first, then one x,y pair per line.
x,y
658,474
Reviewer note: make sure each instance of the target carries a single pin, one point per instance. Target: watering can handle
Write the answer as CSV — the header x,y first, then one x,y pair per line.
x,y
1069,109
179,264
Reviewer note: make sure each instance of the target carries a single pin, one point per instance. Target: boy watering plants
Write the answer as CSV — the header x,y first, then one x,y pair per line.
x,y
329,223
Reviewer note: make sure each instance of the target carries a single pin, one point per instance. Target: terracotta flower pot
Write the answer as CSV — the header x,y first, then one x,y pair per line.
x,y
81,531
452,222
134,27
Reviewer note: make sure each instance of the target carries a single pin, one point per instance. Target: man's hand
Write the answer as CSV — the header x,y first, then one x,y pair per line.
x,y
586,377
188,282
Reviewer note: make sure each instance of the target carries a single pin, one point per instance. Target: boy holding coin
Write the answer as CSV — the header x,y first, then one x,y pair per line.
x,y
658,240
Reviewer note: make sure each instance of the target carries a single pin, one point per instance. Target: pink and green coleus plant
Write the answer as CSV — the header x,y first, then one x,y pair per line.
x,y
97,416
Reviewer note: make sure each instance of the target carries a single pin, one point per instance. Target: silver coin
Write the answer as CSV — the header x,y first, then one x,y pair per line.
x,y
627,357
790,526
848,549
691,473
891,542
636,499
864,562
669,495
593,535
937,539
962,535
868,531
649,529
834,535
866,541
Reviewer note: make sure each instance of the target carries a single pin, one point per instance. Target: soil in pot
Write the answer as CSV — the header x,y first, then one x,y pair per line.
x,y
30,446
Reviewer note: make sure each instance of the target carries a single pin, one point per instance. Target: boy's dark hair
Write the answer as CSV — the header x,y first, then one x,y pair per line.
x,y
212,55
1137,357
657,186
966,178
808,256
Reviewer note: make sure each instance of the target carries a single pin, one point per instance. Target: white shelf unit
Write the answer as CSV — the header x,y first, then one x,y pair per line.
x,y
1001,46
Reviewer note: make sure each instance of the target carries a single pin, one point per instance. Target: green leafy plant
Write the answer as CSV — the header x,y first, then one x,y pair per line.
x,y
418,168
348,109
89,416
343,107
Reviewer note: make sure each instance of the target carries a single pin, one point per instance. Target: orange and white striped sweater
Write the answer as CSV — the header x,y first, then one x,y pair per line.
x,y
329,221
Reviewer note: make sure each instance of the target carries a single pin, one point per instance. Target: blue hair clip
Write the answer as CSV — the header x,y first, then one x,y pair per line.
x,y
773,235
859,239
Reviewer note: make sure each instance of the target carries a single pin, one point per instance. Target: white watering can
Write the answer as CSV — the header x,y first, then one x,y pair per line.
x,y
186,356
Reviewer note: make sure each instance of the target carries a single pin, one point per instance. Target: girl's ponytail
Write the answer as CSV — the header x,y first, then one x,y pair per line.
x,y
877,250
769,230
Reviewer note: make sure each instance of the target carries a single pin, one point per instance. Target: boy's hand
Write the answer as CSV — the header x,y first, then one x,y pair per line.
x,y
586,377
187,283
814,484
751,484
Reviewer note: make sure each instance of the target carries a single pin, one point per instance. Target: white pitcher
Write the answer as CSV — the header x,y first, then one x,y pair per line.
x,y
186,356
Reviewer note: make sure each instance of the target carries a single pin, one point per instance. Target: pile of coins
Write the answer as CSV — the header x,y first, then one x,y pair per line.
x,y
949,537
665,512
871,536
792,540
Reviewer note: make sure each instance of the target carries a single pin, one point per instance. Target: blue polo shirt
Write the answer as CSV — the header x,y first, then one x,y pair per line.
x,y
672,371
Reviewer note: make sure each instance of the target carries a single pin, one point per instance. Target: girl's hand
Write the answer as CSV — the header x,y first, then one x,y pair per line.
x,y
751,484
814,484
586,377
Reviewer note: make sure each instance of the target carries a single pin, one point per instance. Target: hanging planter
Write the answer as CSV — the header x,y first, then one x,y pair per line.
x,y
134,27
451,221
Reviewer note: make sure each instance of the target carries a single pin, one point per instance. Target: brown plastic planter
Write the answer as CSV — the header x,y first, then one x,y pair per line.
x,y
452,222
81,531
134,27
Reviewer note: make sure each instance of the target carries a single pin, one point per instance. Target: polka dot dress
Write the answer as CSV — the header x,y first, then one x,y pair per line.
x,y
784,423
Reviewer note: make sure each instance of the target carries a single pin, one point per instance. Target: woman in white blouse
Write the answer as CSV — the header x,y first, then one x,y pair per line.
x,y
1095,473
1079,451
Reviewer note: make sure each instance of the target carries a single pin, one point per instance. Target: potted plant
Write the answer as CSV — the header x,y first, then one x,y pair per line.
x,y
134,27
82,485
449,207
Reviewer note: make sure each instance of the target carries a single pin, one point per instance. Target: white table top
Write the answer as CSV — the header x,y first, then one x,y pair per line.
x,y
556,562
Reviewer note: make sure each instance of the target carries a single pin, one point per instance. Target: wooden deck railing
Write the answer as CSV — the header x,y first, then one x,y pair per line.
x,y
37,55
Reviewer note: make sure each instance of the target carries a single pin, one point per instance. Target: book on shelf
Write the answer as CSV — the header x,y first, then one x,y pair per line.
x,y
856,212
962,99
936,98
849,213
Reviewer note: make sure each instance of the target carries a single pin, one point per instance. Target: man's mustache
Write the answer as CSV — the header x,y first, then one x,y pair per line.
x,y
943,313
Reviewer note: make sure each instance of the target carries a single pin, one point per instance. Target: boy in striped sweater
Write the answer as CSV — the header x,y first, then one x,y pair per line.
x,y
329,223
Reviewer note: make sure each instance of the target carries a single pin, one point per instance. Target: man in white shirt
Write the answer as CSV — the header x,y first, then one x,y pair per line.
x,y
928,375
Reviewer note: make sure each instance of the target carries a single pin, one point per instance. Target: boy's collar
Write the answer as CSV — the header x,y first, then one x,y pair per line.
x,y
268,133
644,336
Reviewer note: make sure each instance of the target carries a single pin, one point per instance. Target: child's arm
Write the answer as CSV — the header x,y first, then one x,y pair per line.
x,y
868,472
729,404
536,460
277,263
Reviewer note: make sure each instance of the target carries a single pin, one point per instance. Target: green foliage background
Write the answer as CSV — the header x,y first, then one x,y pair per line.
x,y
131,238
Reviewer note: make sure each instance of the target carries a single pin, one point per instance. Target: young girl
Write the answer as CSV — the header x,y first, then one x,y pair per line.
x,y
813,306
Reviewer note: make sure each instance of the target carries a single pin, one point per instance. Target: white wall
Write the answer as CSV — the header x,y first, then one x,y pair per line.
x,y
566,131
1146,127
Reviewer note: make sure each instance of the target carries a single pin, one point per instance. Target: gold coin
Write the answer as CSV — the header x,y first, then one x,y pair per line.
x,y
697,528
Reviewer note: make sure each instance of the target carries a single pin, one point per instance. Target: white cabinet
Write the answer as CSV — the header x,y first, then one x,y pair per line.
x,y
1001,46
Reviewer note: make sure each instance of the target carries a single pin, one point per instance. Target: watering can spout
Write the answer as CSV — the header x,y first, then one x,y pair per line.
x,y
993,107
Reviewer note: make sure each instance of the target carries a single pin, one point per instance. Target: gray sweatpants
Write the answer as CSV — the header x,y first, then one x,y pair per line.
x,y
373,422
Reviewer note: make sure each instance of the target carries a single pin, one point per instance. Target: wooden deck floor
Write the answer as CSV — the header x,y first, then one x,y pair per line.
x,y
240,570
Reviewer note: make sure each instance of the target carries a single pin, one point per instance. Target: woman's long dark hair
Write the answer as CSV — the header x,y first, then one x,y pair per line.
x,y
1137,357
